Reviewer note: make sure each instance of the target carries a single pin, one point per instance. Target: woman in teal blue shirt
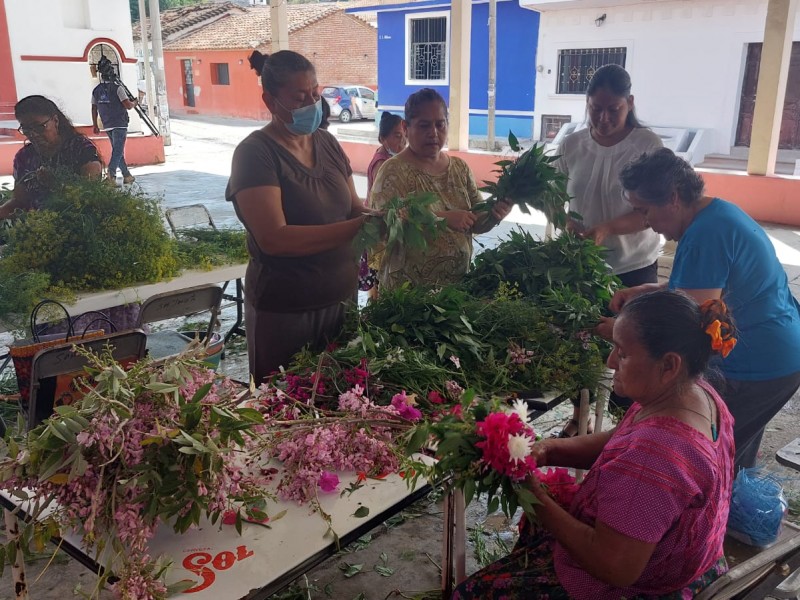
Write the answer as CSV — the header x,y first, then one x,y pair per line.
x,y
723,253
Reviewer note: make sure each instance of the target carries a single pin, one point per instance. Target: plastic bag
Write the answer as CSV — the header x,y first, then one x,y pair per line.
x,y
757,508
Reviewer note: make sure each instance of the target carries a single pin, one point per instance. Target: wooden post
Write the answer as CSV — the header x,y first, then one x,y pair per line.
x,y
18,566
771,90
460,28
279,25
460,537
583,424
492,104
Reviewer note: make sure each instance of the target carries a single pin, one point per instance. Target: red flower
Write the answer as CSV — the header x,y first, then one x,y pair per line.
x,y
435,397
496,430
560,485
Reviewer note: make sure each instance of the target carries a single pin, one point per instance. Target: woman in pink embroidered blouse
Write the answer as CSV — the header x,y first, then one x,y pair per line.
x,y
649,519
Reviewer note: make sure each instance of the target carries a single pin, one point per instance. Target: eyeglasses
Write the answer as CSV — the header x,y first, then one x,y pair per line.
x,y
26,130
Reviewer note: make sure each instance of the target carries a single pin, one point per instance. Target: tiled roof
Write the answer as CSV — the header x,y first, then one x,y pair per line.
x,y
176,20
249,28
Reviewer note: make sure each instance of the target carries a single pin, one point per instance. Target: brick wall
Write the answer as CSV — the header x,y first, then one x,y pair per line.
x,y
343,48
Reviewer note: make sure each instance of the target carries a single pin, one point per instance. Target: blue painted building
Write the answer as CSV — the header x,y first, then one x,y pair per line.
x,y
414,52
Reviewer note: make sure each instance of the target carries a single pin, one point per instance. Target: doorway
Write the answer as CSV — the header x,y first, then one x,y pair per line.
x,y
188,83
790,121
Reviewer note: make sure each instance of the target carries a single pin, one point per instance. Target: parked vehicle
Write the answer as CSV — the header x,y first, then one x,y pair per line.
x,y
351,102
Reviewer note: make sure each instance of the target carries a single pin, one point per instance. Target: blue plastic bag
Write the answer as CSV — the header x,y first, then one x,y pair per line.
x,y
757,508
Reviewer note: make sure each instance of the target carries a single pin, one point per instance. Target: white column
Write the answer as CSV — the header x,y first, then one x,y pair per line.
x,y
161,80
771,91
279,24
460,29
148,73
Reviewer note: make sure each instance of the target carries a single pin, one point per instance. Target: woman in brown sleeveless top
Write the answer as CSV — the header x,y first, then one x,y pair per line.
x,y
292,187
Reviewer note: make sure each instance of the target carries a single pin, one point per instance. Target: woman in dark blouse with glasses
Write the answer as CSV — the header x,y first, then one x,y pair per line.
x,y
54,147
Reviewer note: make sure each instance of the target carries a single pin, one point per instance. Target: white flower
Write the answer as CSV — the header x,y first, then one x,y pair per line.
x,y
455,360
520,407
519,446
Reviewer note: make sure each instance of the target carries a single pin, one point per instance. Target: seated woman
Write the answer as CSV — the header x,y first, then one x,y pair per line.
x,y
424,167
54,146
650,516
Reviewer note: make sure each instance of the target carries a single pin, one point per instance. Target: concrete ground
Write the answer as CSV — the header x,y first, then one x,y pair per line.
x,y
409,546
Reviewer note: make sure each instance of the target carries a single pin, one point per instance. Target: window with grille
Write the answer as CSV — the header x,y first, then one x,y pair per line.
x,y
220,74
576,67
427,40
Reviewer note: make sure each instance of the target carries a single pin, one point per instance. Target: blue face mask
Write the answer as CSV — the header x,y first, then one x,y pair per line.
x,y
306,119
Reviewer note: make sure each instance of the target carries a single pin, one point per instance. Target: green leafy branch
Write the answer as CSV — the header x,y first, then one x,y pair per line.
x,y
531,182
405,221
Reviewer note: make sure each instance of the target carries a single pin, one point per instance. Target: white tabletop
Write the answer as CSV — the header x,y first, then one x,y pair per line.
x,y
139,293
261,561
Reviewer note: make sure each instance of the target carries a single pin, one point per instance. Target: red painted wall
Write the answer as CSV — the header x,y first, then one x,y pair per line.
x,y
242,98
343,49
8,86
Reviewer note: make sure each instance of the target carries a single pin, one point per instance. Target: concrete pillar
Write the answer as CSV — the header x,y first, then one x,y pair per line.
x,y
279,24
772,75
460,29
161,79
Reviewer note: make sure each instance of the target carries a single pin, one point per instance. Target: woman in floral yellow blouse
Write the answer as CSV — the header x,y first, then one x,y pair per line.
x,y
424,167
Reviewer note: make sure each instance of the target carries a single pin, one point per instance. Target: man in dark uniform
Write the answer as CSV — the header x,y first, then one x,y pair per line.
x,y
111,102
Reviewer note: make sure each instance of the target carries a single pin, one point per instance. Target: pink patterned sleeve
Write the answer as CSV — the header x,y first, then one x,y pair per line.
x,y
648,484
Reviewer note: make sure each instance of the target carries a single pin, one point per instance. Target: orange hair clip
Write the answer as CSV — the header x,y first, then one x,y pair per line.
x,y
720,342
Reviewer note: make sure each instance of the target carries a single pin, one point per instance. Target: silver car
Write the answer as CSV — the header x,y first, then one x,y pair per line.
x,y
351,102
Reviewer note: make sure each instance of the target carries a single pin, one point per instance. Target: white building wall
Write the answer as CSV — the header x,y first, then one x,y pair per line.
x,y
63,28
686,59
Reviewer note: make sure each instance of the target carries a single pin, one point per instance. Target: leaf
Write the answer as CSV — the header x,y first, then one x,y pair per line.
x,y
361,512
384,571
350,570
278,516
201,392
513,142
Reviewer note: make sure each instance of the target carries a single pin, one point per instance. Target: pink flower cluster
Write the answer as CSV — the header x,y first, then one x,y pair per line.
x,y
502,434
309,458
301,388
118,449
402,404
518,355
561,486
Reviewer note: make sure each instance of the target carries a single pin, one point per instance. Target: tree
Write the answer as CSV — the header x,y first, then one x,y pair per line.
x,y
162,5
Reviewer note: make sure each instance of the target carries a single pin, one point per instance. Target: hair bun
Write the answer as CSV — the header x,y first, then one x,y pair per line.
x,y
257,60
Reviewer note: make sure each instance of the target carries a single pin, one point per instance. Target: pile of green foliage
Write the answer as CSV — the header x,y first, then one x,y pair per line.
x,y
568,275
209,248
89,236
521,331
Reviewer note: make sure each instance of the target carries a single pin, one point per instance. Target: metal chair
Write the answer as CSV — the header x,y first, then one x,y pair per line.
x,y
55,369
181,303
191,216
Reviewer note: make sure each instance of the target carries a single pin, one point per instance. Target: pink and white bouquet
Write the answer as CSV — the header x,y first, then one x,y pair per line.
x,y
485,448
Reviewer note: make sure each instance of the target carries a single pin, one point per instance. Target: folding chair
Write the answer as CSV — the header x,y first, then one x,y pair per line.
x,y
181,303
191,216
54,370
197,216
